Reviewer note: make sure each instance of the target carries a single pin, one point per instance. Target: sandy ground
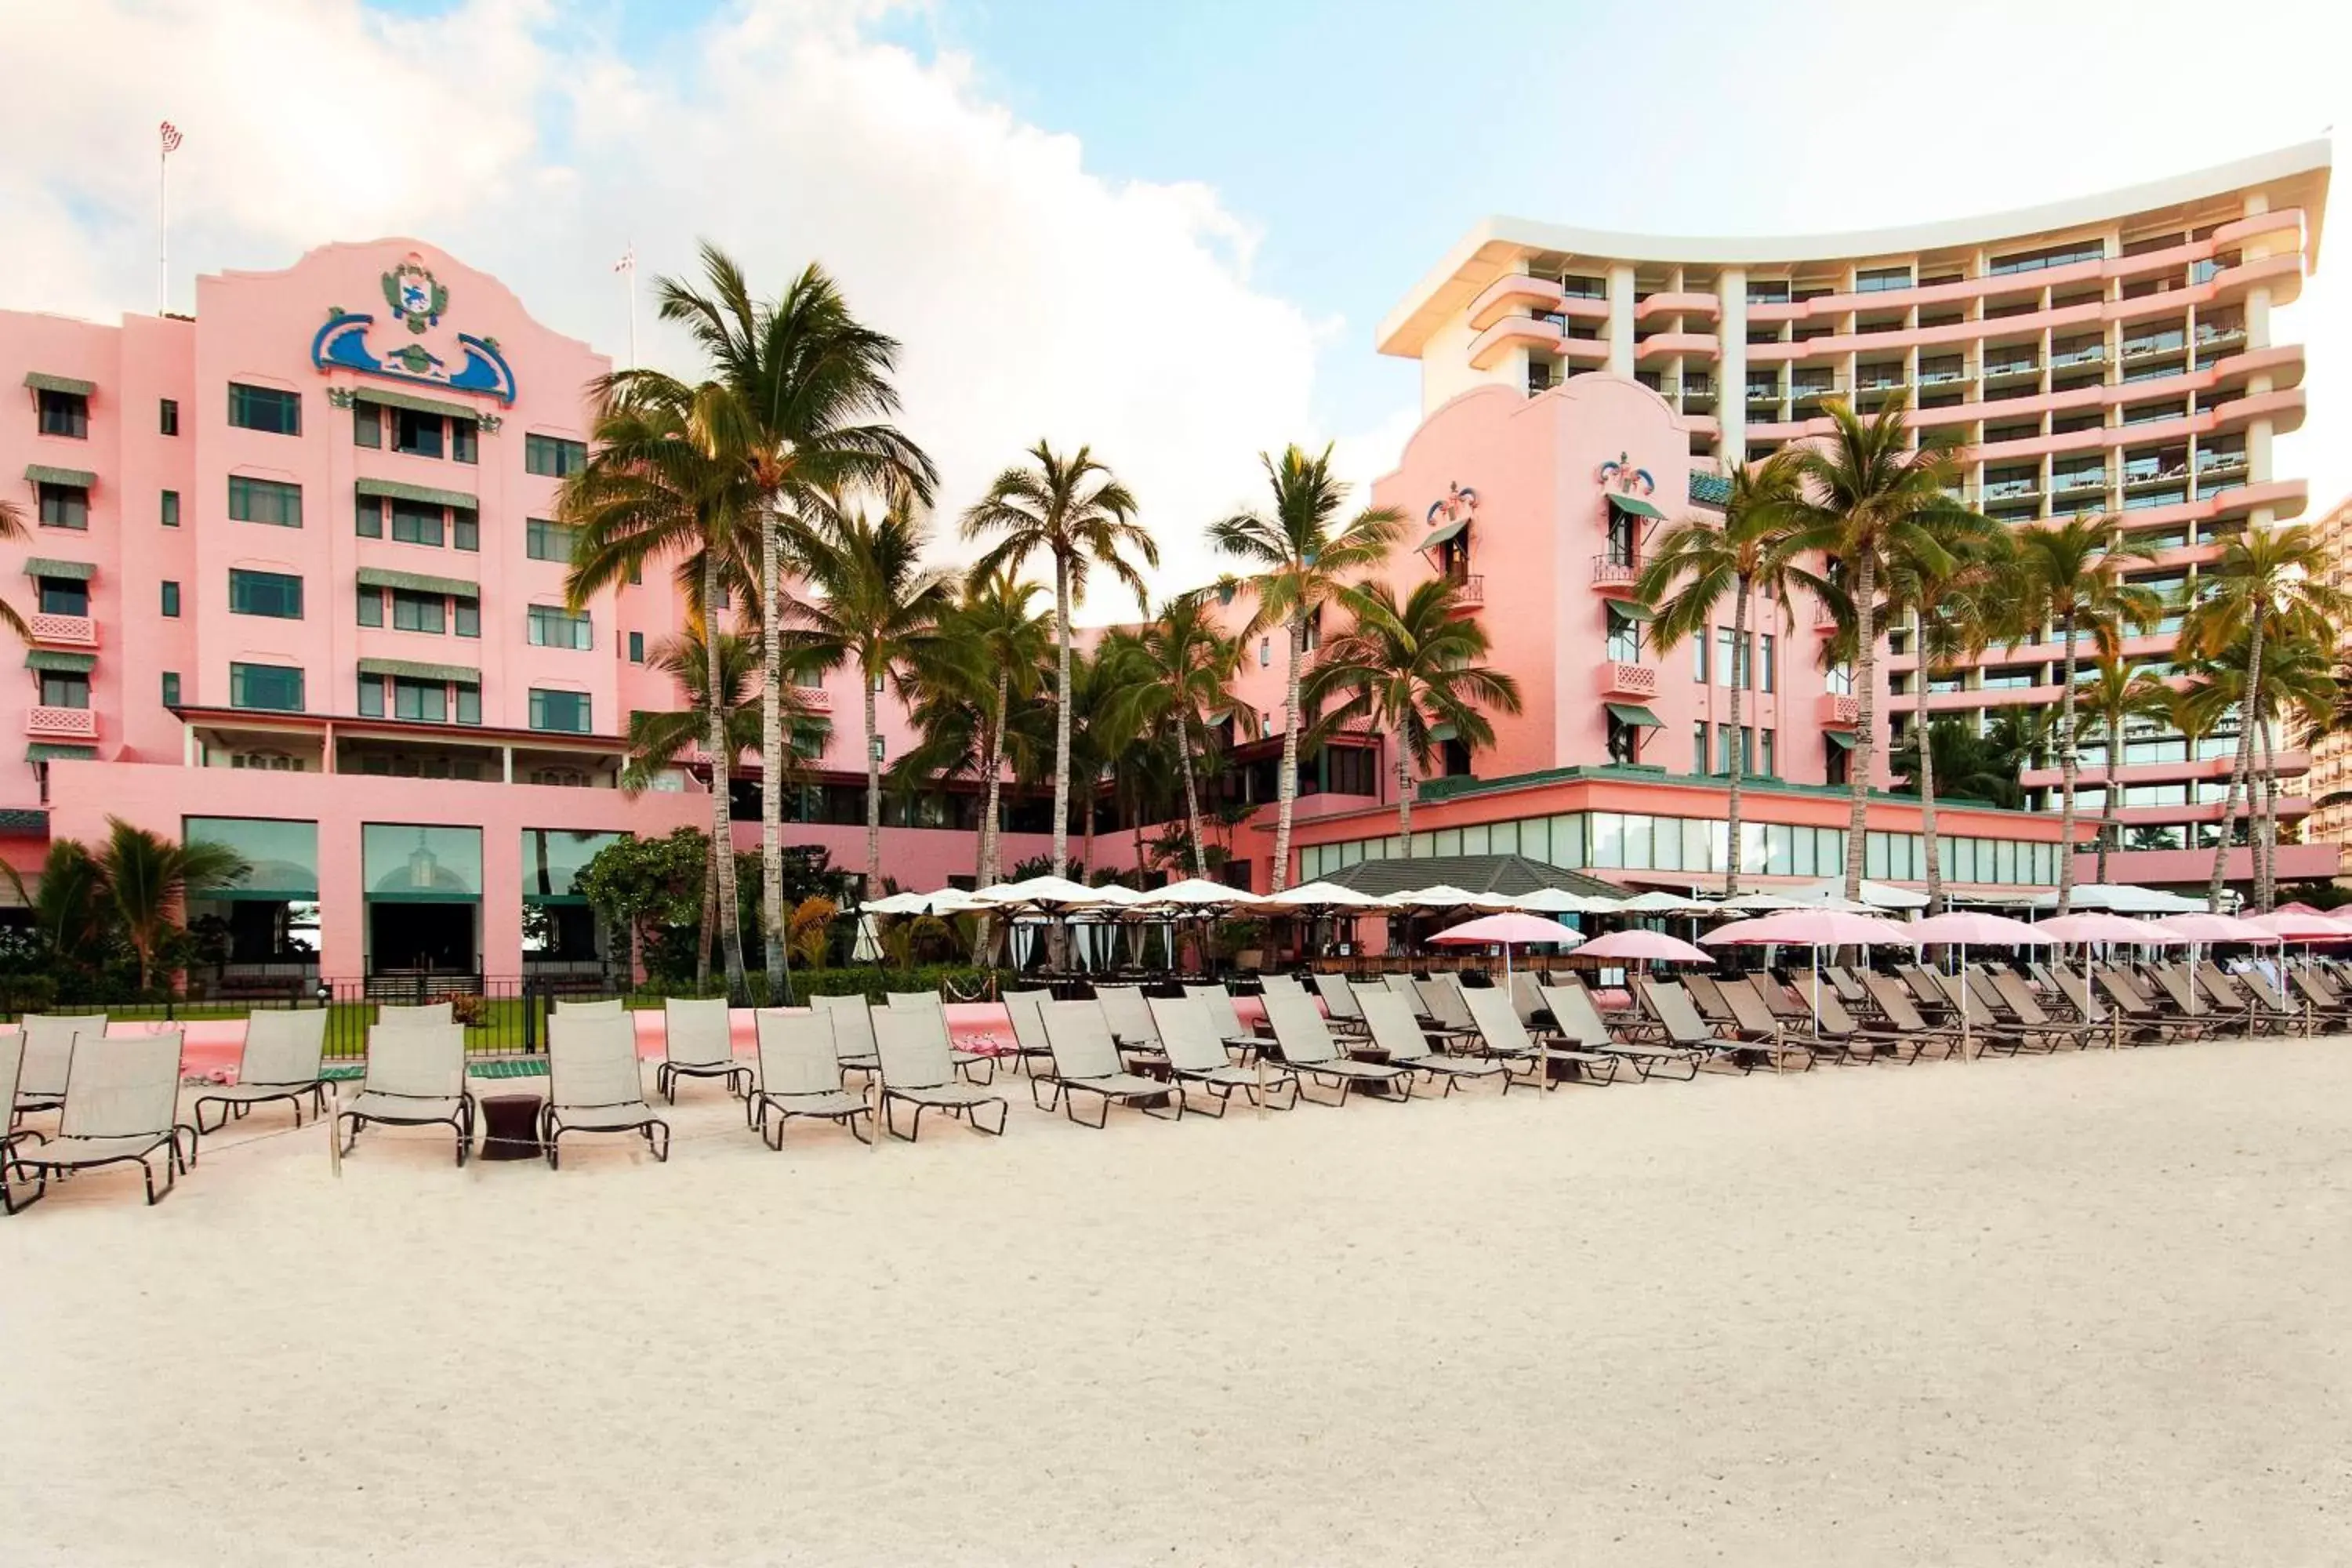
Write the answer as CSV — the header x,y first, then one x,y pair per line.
x,y
2095,1309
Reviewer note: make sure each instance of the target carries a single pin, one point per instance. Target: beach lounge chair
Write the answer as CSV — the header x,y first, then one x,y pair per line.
x,y
2026,1008
1340,1005
2154,1026
283,1057
927,1002
1895,1006
49,1057
1856,1041
799,1075
12,1067
852,1031
609,1008
1308,1049
1970,995
426,1015
698,1041
919,1069
1578,1018
1274,980
2277,1003
2179,989
1086,1060
1670,1005
595,1084
1503,1039
2326,1005
2254,1015
1527,1002
1394,1029
415,1077
1130,1017
1849,989
1196,1056
1759,1031
1586,1049
1030,1048
122,1105
1446,1015
1219,1003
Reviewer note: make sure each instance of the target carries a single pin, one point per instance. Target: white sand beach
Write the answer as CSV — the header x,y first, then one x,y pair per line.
x,y
2095,1309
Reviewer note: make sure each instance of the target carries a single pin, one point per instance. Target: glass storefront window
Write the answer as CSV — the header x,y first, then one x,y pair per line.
x,y
283,856
553,858
399,861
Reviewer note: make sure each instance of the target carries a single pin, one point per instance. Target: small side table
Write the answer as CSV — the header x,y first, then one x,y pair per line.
x,y
511,1126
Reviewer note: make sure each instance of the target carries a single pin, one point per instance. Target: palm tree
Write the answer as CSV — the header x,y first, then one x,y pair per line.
x,y
1405,670
2264,575
877,605
1302,555
988,657
1698,562
1075,511
807,420
2295,682
147,877
1867,498
1949,577
2118,694
660,483
2072,573
1189,668
1966,763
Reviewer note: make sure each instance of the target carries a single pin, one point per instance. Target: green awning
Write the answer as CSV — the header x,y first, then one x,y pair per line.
x,y
46,752
1443,733
410,671
68,571
418,582
1631,713
64,663
1626,612
1633,506
1844,739
391,489
42,474
1438,536
413,403
42,381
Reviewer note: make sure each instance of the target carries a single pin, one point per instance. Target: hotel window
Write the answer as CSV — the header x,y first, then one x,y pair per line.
x,y
463,445
552,626
545,540
170,509
1265,652
65,414
371,517
466,615
469,702
63,595
420,701
64,688
417,435
1879,279
637,647
371,606
170,601
274,687
413,522
416,612
276,595
1769,662
552,455
464,528
1766,762
2050,256
370,703
171,689
367,424
266,408
1732,661
1624,644
63,506
566,712
1698,746
264,501
1698,660
168,417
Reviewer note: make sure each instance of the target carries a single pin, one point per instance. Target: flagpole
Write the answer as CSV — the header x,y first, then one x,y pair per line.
x,y
162,230
628,264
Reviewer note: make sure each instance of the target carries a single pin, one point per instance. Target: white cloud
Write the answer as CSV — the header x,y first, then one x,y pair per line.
x,y
1035,298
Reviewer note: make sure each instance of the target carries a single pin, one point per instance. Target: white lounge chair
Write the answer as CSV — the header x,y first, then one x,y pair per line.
x,y
1308,1048
48,1053
919,1068
1218,1002
698,1041
799,1075
122,1105
1086,1058
595,1084
1128,1015
1196,1054
1396,1031
852,1025
415,1077
928,1004
427,1015
609,1008
1021,1008
283,1057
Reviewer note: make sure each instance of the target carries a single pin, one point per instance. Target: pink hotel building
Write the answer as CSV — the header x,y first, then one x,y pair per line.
x,y
292,581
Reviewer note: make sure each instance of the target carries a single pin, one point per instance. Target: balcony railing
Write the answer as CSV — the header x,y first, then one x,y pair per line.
x,y
78,630
1620,679
815,699
2224,338
2088,479
70,723
2171,473
2145,348
2094,355
2012,368
2013,490
1837,710
1469,590
1615,572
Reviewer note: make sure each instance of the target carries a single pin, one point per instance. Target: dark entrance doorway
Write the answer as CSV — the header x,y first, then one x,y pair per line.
x,y
421,935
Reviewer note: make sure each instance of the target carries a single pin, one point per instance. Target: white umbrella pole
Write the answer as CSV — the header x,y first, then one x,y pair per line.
x,y
1967,1053
1817,991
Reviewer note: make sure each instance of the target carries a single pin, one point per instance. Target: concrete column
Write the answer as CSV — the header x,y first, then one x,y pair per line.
x,y
1620,321
2258,319
500,933
342,898
1731,400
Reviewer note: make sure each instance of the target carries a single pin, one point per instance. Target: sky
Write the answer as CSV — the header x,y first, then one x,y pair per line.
x,y
1167,231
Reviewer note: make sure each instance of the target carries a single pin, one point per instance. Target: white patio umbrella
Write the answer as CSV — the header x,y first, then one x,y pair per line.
x,y
1762,903
1830,891
1661,904
1560,901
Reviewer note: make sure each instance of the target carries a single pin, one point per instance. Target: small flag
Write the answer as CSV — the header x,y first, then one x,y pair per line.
x,y
171,138
628,262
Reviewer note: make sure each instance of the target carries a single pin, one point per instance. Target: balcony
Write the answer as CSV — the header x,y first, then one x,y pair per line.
x,y
69,631
2096,354
1837,711
1619,678
1616,575
2215,342
2012,371
1824,618
814,699
1469,591
2083,480
62,724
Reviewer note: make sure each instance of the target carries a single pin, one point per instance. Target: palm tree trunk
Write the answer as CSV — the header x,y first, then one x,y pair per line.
x,y
873,789
2115,743
2067,764
1286,785
2241,771
1192,799
2266,830
1087,816
709,934
722,840
771,752
1404,792
1924,732
1061,721
1739,658
1866,720
990,839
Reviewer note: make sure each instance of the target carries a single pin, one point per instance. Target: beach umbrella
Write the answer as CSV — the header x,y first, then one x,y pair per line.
x,y
1661,904
1959,927
1311,901
2290,927
1637,946
1194,894
1830,892
1445,896
2096,926
1560,901
1764,903
1512,928
1814,928
2199,927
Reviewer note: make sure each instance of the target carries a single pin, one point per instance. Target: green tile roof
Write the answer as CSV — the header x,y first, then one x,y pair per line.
x,y
42,474
72,571
42,381
413,404
411,670
53,659
47,751
418,582
391,489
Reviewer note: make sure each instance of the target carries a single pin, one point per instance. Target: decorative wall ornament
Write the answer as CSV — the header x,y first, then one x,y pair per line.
x,y
1626,477
1459,504
458,361
339,397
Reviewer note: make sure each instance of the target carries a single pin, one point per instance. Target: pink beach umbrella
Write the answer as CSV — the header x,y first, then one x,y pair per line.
x,y
1814,929
2199,927
1509,929
1638,946
2288,926
1958,928
2095,925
